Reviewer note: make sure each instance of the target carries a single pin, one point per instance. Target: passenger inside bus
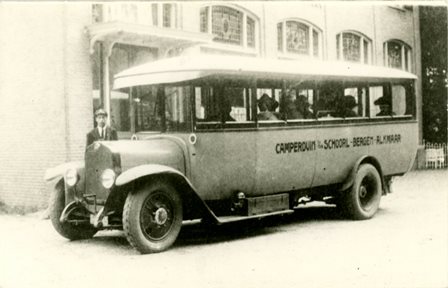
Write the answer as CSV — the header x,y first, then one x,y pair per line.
x,y
385,107
303,107
345,105
267,106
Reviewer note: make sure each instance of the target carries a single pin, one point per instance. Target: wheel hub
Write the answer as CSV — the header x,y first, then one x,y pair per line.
x,y
362,192
161,216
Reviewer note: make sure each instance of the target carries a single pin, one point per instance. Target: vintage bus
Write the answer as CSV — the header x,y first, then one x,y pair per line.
x,y
226,138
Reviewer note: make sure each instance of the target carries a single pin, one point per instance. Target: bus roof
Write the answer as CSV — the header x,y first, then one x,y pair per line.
x,y
184,68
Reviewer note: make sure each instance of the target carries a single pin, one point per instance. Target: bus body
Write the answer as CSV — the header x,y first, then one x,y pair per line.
x,y
203,148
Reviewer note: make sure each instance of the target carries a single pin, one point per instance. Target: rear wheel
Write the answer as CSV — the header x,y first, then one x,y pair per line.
x,y
66,229
152,217
363,199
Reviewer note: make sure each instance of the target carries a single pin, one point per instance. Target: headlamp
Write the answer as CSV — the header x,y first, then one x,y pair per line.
x,y
71,177
108,178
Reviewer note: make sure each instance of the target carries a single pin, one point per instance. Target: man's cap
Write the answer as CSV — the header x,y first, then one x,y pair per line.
x,y
381,101
100,111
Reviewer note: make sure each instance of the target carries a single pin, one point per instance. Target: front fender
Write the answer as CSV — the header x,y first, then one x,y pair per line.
x,y
154,169
59,171
144,170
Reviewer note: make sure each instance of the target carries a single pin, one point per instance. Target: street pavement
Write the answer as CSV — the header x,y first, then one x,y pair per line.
x,y
404,245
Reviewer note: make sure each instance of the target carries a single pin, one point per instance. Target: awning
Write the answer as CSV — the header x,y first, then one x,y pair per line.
x,y
183,68
144,35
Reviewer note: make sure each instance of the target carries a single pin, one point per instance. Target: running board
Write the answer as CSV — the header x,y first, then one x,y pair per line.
x,y
228,219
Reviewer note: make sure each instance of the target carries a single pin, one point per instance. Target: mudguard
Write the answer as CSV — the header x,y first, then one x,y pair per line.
x,y
145,170
59,171
154,169
351,176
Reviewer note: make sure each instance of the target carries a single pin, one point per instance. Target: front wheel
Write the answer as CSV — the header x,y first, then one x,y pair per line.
x,y
152,217
68,230
363,199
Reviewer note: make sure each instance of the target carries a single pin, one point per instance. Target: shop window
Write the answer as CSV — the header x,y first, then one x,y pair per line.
x,y
397,55
229,25
353,47
299,38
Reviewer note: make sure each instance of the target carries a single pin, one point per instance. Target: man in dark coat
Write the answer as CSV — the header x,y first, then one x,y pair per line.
x,y
101,132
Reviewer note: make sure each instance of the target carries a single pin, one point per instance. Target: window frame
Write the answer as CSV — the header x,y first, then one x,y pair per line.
x,y
208,21
405,52
363,39
282,44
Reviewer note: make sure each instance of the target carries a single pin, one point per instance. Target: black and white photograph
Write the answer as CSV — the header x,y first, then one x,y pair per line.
x,y
223,144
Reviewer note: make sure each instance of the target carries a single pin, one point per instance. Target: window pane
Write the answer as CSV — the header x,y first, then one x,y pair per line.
x,y
204,19
366,52
177,108
315,43
406,59
155,14
227,25
250,32
351,47
398,100
338,45
297,38
280,37
167,15
394,54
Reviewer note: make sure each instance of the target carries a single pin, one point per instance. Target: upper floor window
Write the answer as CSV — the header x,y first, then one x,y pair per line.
x,y
299,38
154,14
229,25
354,47
397,54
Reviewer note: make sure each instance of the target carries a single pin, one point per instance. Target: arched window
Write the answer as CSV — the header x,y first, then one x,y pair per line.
x,y
229,25
299,38
354,47
397,54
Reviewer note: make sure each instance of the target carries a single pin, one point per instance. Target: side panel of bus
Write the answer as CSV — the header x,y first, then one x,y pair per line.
x,y
286,159
393,144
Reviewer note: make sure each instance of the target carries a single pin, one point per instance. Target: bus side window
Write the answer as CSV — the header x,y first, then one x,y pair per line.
x,y
398,100
207,105
236,106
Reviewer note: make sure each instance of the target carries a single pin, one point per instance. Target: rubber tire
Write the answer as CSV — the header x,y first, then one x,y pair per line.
x,y
67,230
351,200
132,215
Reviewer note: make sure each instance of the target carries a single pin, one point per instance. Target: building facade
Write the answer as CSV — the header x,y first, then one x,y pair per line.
x,y
57,63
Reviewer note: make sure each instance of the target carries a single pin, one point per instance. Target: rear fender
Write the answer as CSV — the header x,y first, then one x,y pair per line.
x,y
352,175
193,204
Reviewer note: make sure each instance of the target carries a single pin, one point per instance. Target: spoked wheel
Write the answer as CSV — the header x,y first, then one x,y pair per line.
x,y
69,230
363,199
152,217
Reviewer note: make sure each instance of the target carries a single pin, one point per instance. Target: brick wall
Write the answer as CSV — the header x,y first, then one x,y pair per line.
x,y
45,95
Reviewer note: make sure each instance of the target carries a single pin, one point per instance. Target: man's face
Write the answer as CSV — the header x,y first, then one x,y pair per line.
x,y
100,120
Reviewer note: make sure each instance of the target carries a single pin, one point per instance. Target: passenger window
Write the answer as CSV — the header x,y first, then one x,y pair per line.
x,y
222,104
177,110
297,104
398,100
327,99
